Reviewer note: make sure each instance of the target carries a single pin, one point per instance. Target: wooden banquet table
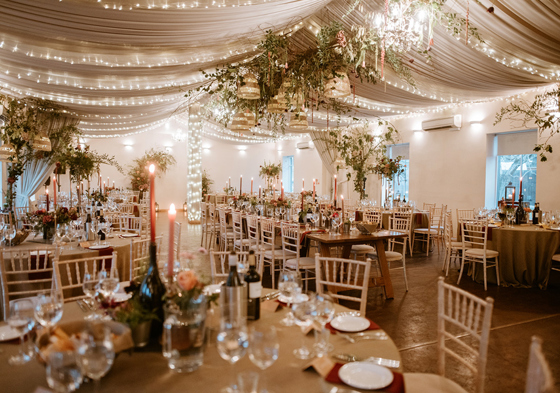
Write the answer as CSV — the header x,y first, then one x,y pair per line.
x,y
346,241
525,256
146,370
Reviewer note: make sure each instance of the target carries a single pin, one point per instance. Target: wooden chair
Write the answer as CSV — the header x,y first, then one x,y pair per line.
x,y
428,206
219,264
474,250
270,251
240,242
345,275
452,248
465,314
361,250
24,274
204,224
127,208
426,235
130,224
253,233
69,273
407,215
140,256
213,225
539,376
291,246
465,214
21,216
398,225
226,233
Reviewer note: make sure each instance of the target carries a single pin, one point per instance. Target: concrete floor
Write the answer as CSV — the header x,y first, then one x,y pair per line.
x,y
410,318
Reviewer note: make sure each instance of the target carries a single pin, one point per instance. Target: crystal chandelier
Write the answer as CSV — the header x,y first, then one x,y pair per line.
x,y
397,26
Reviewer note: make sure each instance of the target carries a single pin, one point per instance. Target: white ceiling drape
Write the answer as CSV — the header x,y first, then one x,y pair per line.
x,y
125,68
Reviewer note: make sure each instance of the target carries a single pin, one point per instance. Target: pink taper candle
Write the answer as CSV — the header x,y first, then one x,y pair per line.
x,y
171,254
240,184
251,186
47,192
54,190
282,195
313,189
152,203
335,195
303,183
260,192
342,203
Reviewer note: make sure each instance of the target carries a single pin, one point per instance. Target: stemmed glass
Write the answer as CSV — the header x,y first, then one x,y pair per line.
x,y
21,319
304,314
232,342
96,353
48,310
263,347
289,284
10,232
61,230
63,373
323,313
510,213
336,222
89,286
108,282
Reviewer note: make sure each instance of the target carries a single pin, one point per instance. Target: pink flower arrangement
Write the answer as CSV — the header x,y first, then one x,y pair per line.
x,y
187,280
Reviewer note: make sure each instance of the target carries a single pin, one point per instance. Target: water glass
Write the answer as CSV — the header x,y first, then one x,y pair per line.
x,y
89,286
263,346
48,310
232,343
63,372
248,382
323,314
289,284
108,282
96,352
21,319
304,315
10,232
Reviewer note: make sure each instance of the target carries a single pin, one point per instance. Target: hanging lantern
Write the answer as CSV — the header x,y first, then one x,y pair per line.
x,y
239,122
250,116
249,90
298,120
41,142
338,87
281,96
275,107
6,152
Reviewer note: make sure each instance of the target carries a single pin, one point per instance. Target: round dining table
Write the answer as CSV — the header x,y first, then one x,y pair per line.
x,y
525,256
146,370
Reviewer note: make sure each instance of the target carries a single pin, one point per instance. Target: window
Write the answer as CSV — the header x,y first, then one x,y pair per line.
x,y
288,173
398,187
515,160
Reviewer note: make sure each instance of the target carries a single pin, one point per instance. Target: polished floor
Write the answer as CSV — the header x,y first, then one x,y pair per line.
x,y
410,318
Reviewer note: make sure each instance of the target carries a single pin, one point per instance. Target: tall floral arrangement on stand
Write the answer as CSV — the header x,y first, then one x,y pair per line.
x,y
269,172
138,172
362,150
35,129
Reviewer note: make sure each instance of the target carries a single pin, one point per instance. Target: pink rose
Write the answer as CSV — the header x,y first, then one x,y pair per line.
x,y
187,280
187,255
203,251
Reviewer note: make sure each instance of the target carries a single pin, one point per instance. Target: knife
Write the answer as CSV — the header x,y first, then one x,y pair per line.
x,y
389,363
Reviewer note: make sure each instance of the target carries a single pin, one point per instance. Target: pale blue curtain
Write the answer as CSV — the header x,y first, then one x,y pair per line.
x,y
35,174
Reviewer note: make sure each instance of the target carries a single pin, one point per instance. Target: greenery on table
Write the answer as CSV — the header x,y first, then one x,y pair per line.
x,y
133,312
25,119
544,112
206,183
364,151
83,163
43,220
269,172
139,172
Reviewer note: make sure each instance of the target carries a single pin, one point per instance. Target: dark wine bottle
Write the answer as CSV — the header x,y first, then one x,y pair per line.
x,y
233,276
520,213
152,291
253,280
536,214
98,209
101,235
101,218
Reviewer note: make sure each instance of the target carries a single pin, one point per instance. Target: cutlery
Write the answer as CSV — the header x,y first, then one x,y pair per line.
x,y
363,336
271,296
389,363
82,306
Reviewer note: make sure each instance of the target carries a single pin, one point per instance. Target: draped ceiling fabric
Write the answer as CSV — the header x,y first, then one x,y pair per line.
x,y
35,174
124,66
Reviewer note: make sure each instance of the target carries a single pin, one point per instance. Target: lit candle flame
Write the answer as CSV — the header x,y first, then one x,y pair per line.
x,y
152,168
172,209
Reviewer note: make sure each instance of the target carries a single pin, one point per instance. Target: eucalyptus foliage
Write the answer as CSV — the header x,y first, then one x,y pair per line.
x,y
138,172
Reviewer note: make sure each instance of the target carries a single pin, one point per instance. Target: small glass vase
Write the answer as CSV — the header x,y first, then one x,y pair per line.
x,y
183,335
48,233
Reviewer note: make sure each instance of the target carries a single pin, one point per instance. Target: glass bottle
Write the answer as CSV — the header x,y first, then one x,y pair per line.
x,y
254,290
152,291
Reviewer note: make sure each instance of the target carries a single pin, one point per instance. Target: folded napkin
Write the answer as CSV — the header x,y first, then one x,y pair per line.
x,y
372,326
397,386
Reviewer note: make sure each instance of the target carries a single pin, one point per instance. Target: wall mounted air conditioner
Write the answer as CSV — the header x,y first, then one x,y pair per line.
x,y
303,145
452,123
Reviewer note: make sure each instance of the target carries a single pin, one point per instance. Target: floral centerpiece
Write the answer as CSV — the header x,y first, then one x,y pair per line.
x,y
43,221
242,198
269,172
389,167
98,196
138,173
229,190
274,203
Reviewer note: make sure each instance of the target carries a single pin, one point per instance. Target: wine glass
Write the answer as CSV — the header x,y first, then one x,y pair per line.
x,y
510,213
304,314
63,372
323,314
48,310
21,319
289,284
61,230
10,232
108,282
263,346
96,352
232,343
336,222
89,286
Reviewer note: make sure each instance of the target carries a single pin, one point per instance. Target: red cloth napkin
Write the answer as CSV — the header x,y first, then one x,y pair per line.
x,y
311,231
372,326
418,218
397,386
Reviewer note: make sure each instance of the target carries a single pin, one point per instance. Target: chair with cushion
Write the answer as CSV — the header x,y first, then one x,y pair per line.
x,y
23,274
452,248
272,253
556,266
427,235
291,247
253,233
460,314
539,376
240,241
226,232
344,275
361,250
69,273
474,250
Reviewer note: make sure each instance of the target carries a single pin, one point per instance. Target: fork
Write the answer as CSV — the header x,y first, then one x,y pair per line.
x,y
390,363
363,336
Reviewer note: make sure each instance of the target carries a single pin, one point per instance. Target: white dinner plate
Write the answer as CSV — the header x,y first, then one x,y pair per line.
x,y
212,289
7,333
121,297
302,297
125,235
365,375
99,247
350,323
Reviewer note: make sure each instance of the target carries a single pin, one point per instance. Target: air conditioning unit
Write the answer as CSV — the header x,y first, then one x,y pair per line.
x,y
452,123
303,145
